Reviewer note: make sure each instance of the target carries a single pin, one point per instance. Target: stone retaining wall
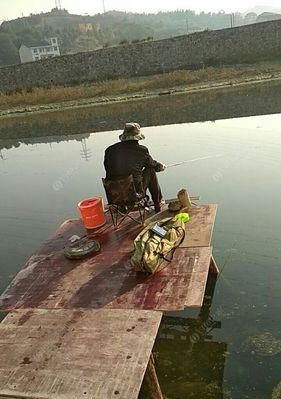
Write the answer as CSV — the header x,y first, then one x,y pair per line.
x,y
226,46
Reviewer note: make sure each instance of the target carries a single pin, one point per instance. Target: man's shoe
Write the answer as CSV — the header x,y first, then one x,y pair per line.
x,y
157,207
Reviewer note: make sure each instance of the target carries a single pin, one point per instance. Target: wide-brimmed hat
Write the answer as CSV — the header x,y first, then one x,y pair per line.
x,y
131,132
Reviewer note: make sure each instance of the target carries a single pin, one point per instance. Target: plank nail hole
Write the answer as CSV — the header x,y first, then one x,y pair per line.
x,y
85,393
26,360
116,393
129,357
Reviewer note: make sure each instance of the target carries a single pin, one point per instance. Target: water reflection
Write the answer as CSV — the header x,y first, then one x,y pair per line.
x,y
43,180
8,143
260,99
190,363
2,156
85,152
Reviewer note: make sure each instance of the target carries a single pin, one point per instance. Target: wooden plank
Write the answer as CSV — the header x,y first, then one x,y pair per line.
x,y
59,354
199,229
42,275
49,280
198,279
166,290
101,282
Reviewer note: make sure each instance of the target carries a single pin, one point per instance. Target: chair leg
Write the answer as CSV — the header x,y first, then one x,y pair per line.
x,y
112,211
118,216
123,215
142,211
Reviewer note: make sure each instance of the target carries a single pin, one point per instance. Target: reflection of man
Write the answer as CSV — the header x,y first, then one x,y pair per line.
x,y
130,158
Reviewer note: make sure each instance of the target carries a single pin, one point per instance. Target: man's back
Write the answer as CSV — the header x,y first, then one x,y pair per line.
x,y
129,158
126,158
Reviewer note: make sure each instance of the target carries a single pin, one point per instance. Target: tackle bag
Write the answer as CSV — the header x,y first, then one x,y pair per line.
x,y
151,249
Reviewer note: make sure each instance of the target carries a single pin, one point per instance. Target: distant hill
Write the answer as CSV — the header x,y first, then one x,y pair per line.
x,y
268,16
78,33
261,9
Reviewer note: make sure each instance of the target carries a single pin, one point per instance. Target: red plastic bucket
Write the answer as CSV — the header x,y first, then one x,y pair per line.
x,y
92,212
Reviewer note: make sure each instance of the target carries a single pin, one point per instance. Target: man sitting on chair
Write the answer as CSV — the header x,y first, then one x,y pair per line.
x,y
130,158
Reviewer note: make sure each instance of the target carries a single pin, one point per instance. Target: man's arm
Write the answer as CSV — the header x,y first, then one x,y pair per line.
x,y
151,163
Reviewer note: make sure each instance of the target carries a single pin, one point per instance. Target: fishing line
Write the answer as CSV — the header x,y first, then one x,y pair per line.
x,y
194,160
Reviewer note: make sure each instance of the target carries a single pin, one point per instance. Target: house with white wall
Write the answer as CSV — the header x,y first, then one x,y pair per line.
x,y
46,49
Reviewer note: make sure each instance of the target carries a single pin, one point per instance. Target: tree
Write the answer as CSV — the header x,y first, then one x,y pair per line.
x,y
8,51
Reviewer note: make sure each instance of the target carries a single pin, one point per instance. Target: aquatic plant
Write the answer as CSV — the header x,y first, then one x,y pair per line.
x,y
276,394
263,345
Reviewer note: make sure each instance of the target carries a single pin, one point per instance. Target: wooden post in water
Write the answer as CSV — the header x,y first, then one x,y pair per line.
x,y
151,380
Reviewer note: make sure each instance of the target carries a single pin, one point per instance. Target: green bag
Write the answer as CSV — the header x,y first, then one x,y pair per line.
x,y
151,249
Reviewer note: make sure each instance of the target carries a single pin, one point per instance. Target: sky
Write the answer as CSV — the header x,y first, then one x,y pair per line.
x,y
10,9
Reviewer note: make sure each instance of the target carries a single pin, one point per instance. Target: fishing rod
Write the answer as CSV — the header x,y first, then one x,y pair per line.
x,y
193,160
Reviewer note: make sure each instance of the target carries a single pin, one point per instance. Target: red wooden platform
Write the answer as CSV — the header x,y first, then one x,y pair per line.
x,y
86,328
106,280
59,354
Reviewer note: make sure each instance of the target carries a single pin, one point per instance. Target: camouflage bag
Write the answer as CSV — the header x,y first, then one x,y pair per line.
x,y
151,249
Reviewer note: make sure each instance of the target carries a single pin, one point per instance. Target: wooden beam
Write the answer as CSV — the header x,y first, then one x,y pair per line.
x,y
193,198
151,380
213,266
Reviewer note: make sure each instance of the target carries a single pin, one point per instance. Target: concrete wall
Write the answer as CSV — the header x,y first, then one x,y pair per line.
x,y
224,46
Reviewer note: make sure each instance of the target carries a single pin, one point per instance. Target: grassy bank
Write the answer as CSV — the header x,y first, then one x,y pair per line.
x,y
57,94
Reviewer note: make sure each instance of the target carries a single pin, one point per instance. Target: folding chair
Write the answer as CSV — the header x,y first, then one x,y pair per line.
x,y
123,199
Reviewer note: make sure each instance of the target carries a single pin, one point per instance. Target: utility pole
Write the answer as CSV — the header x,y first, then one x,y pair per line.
x,y
187,26
58,4
85,153
103,5
232,17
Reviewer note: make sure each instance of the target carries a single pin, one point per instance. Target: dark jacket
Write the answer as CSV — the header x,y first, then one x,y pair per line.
x,y
128,158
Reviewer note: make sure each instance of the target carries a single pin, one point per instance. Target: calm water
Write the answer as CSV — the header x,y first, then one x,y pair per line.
x,y
231,349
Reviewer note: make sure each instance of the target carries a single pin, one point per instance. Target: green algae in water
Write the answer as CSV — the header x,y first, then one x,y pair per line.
x,y
263,345
276,394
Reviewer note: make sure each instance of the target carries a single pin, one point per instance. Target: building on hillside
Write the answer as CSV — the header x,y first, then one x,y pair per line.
x,y
48,48
268,16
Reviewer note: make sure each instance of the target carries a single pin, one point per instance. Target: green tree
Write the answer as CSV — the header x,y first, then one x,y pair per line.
x,y
8,51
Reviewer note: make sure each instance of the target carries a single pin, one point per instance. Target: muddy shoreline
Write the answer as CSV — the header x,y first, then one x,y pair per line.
x,y
108,100
224,102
